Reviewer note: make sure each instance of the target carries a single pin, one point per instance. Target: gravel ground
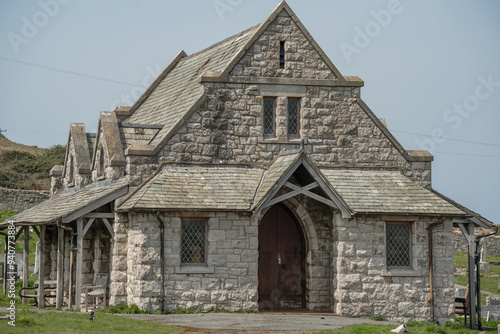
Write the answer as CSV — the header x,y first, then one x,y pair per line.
x,y
266,323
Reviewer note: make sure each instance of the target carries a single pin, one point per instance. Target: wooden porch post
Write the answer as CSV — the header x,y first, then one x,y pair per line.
x,y
79,263
41,268
60,267
26,253
472,276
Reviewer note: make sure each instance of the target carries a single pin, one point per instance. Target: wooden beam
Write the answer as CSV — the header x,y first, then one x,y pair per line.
x,y
100,215
60,267
26,258
308,187
87,226
472,280
313,195
79,263
18,234
95,205
41,268
36,231
290,194
464,231
328,190
110,229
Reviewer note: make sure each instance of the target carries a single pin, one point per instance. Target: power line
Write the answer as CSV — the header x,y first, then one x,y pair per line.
x,y
470,154
66,71
44,132
452,139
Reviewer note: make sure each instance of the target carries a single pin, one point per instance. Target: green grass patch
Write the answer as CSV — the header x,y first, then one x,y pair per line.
x,y
76,322
22,168
216,309
489,282
415,327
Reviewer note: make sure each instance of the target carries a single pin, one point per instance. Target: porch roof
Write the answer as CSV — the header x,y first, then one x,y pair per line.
x,y
233,187
389,192
196,187
66,206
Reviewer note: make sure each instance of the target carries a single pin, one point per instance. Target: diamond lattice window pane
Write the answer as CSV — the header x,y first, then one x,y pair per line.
x,y
268,116
398,245
293,117
193,241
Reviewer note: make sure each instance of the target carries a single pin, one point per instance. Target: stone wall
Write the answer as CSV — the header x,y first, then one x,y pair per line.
x,y
20,200
491,244
301,58
229,279
365,288
229,129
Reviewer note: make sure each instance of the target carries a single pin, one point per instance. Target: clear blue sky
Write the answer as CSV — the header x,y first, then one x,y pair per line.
x,y
430,68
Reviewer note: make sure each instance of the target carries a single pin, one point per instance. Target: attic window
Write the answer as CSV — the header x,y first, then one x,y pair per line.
x,y
282,54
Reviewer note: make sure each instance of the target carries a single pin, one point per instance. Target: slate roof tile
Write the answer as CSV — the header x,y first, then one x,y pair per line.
x,y
61,205
180,88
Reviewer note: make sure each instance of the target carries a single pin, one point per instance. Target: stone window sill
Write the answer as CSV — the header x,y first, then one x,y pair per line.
x,y
194,270
296,141
401,273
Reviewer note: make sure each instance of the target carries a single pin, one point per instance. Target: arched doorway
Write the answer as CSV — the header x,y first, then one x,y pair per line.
x,y
282,277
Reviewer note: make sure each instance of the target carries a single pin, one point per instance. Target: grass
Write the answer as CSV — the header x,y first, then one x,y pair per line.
x,y
489,282
20,243
27,167
76,322
417,327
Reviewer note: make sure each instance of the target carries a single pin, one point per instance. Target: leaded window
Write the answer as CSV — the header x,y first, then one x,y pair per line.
x,y
398,245
293,117
269,112
193,249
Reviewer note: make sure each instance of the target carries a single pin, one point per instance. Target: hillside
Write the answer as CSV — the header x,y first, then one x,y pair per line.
x,y
27,167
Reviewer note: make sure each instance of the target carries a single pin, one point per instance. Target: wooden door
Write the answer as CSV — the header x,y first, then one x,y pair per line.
x,y
281,261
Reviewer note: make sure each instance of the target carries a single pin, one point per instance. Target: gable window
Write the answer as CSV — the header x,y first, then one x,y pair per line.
x,y
282,54
269,116
398,245
193,242
293,118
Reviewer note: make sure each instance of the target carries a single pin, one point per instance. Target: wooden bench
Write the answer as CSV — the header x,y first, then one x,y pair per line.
x,y
49,292
462,305
98,288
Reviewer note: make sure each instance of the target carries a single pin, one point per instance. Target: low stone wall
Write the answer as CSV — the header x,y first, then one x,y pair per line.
x,y
20,200
491,244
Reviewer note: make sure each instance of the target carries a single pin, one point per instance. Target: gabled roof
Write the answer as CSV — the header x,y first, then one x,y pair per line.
x,y
475,217
67,204
210,187
192,187
286,164
77,139
107,129
177,92
386,192
283,6
169,99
